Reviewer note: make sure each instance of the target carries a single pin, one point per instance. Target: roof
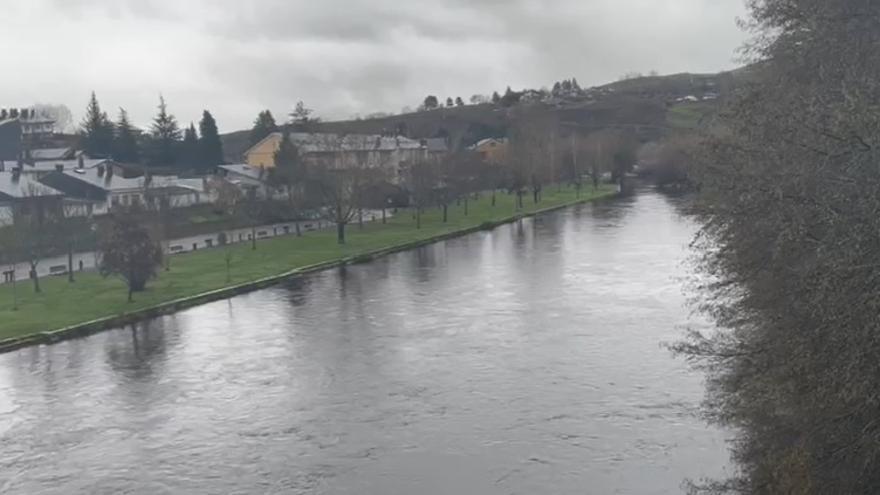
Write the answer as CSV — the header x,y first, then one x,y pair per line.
x,y
19,186
114,182
328,142
486,141
51,154
52,165
437,145
10,139
255,173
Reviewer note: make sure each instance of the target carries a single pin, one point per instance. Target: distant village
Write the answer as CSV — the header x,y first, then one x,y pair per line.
x,y
37,164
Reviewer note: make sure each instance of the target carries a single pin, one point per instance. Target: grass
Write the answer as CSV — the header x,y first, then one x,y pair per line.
x,y
63,304
690,115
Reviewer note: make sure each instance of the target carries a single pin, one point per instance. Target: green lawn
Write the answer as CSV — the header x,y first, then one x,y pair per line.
x,y
63,304
690,115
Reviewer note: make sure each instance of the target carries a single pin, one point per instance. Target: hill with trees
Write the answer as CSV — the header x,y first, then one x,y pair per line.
x,y
650,104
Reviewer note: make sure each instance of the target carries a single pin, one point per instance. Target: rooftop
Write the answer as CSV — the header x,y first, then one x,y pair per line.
x,y
51,154
327,142
19,186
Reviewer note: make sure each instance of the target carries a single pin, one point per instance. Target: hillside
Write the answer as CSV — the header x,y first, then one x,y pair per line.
x,y
650,105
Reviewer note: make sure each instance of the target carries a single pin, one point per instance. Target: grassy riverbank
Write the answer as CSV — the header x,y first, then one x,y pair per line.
x,y
91,297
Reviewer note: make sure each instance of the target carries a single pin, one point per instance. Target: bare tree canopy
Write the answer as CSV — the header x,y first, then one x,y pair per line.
x,y
789,199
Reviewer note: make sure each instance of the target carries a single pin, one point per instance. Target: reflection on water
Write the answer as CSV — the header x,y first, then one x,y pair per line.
x,y
522,360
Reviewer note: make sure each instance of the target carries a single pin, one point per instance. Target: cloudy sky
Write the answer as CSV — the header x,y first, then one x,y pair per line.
x,y
342,57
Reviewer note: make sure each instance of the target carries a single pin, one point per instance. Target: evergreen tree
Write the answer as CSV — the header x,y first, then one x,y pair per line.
x,y
96,134
263,126
301,118
449,102
289,174
459,102
557,88
510,98
125,145
496,98
189,149
165,134
574,85
566,85
210,147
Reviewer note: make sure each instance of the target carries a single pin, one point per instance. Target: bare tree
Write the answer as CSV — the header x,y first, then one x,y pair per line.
x,y
229,199
790,254
340,179
35,220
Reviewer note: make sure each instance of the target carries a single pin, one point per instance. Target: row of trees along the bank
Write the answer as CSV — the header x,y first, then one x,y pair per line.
x,y
336,188
788,197
165,144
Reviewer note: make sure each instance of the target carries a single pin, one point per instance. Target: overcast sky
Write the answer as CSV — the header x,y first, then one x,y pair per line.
x,y
342,57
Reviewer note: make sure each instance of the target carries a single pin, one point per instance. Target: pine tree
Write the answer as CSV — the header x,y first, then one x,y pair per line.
x,y
449,102
97,131
263,126
189,149
210,147
459,102
574,84
557,88
496,98
165,134
125,145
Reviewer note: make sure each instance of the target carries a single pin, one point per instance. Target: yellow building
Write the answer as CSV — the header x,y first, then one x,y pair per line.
x,y
262,154
493,151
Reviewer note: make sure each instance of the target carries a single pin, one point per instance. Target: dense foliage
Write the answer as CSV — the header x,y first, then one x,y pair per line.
x,y
127,249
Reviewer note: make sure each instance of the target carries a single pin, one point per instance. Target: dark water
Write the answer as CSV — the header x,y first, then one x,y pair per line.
x,y
525,360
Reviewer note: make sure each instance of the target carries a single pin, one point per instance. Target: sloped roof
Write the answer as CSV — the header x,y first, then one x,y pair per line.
x,y
437,144
19,186
255,173
114,182
51,165
51,154
328,142
10,140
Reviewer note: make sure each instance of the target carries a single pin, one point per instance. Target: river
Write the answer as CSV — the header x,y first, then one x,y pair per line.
x,y
524,360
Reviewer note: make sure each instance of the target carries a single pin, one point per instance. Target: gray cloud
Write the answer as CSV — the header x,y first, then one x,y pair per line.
x,y
343,57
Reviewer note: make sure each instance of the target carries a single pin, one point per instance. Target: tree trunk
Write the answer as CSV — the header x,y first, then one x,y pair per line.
x,y
36,279
466,202
14,291
494,199
298,230
70,263
254,238
130,294
340,233
384,218
445,212
360,218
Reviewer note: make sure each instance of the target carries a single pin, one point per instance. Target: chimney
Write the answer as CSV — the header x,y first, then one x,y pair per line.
x,y
80,163
16,174
109,171
100,171
2,165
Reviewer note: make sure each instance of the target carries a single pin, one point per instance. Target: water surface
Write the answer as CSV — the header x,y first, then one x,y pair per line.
x,y
524,360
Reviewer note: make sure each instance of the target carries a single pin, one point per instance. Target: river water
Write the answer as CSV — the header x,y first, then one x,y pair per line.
x,y
524,360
